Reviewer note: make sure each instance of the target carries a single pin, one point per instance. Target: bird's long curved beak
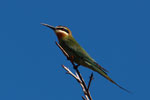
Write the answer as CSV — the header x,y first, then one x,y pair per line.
x,y
52,27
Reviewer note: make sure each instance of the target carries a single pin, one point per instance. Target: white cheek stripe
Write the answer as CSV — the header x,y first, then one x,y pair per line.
x,y
62,32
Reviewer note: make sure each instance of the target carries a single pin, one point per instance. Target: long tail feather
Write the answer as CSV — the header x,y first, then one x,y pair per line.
x,y
116,84
96,67
108,78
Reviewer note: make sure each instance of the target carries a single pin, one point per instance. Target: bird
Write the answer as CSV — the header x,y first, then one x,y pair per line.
x,y
80,56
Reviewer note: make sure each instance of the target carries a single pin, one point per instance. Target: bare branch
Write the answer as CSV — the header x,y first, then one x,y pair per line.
x,y
87,91
69,72
83,98
91,78
78,80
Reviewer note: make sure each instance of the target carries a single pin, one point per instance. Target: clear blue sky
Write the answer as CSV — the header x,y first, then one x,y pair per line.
x,y
116,33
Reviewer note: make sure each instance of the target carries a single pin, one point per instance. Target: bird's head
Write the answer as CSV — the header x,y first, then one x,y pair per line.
x,y
61,31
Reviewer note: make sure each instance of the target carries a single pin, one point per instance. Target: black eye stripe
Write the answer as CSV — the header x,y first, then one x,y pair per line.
x,y
63,29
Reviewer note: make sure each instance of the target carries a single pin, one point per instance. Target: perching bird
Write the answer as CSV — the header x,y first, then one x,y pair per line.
x,y
80,56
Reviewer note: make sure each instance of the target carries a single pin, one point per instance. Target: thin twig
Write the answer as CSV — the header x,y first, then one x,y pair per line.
x,y
69,72
78,80
88,92
83,98
91,78
83,88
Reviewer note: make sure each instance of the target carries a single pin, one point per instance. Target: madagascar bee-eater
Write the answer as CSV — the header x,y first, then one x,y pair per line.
x,y
80,56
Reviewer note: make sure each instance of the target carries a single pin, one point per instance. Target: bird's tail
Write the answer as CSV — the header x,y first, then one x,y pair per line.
x,y
94,66
108,78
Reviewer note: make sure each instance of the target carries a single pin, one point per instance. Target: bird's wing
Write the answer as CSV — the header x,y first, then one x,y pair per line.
x,y
95,66
75,49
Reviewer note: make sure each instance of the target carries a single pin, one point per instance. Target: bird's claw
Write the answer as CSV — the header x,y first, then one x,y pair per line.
x,y
70,58
76,66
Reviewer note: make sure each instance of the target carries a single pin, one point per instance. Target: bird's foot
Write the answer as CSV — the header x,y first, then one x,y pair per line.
x,y
70,58
76,66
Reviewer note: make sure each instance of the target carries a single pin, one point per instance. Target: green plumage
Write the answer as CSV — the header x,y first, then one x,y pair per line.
x,y
81,57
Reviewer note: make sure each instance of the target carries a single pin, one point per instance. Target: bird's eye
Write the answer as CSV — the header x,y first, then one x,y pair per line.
x,y
66,30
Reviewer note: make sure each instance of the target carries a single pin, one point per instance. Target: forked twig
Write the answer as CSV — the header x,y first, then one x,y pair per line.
x,y
78,80
78,75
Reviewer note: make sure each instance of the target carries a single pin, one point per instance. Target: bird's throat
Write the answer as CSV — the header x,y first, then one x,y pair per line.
x,y
61,35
